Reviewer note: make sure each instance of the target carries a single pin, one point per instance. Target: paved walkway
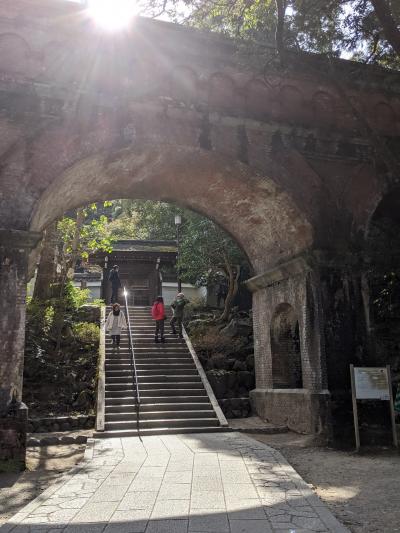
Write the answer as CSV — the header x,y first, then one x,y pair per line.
x,y
198,483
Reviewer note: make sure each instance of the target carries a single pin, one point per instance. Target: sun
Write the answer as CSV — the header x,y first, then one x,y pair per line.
x,y
112,15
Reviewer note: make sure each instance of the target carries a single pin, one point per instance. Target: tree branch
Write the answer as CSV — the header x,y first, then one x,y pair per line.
x,y
280,26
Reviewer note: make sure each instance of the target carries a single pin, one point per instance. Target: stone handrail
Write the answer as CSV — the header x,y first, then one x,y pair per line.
x,y
101,378
214,402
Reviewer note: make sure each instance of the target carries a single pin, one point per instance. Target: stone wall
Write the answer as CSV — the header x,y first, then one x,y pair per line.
x,y
13,430
61,423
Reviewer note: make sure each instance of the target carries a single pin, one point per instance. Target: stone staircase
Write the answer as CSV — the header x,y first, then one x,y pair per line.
x,y
173,395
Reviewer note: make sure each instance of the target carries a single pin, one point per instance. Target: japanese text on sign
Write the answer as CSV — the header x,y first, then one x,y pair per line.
x,y
371,383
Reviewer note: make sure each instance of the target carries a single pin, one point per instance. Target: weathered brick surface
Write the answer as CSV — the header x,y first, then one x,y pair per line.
x,y
276,156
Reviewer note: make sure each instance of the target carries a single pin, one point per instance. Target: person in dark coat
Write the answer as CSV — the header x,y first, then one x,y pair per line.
x,y
113,278
178,306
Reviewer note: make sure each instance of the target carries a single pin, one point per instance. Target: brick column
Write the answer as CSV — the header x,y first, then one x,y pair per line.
x,y
294,284
15,246
325,292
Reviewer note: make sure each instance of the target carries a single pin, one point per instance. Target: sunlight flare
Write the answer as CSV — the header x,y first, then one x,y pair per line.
x,y
112,15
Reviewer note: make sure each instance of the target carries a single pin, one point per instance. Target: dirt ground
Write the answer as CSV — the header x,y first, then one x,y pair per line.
x,y
362,491
44,465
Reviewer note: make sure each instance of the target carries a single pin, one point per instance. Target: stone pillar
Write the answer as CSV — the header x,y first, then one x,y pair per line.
x,y
325,293
293,285
345,333
15,246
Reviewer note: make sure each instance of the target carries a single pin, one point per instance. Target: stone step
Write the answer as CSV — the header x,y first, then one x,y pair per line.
x,y
159,407
157,431
130,399
155,393
165,385
161,423
121,372
157,378
158,415
161,361
148,368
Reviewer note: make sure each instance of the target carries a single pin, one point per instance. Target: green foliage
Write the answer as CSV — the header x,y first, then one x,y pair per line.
x,y
384,270
86,333
144,219
334,27
93,235
205,248
54,380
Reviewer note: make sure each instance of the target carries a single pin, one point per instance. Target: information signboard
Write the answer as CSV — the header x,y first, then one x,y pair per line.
x,y
371,383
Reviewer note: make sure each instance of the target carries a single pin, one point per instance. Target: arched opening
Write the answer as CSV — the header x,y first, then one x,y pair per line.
x,y
285,349
259,215
383,275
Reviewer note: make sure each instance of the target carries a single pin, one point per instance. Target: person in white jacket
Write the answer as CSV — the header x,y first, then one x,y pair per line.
x,y
115,322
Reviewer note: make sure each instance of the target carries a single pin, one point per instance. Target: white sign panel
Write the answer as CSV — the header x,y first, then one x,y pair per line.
x,y
371,383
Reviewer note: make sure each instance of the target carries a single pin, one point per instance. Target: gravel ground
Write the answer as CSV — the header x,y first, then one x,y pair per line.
x,y
362,491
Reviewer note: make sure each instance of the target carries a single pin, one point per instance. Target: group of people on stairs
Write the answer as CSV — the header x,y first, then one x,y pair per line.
x,y
116,320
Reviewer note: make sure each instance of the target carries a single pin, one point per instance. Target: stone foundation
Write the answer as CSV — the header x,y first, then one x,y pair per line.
x,y
298,409
61,423
13,439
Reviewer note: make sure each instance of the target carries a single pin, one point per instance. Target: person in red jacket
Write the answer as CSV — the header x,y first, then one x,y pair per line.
x,y
158,313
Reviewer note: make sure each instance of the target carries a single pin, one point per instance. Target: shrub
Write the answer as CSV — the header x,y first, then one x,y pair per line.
x,y
86,333
214,342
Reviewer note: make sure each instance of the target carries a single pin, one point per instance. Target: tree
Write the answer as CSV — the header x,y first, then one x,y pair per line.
x,y
363,30
81,236
206,251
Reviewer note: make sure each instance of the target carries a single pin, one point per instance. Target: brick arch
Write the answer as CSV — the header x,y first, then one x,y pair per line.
x,y
323,105
285,348
222,91
15,54
184,82
384,116
259,100
292,102
259,215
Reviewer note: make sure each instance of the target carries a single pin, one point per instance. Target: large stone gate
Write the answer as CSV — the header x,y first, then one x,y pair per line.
x,y
290,158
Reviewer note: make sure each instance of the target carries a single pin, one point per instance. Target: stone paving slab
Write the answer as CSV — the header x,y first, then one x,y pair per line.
x,y
198,483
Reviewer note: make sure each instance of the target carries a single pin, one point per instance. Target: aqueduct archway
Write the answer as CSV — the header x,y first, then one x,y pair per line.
x,y
275,155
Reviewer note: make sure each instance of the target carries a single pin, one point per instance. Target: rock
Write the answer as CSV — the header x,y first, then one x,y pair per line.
x,y
66,426
241,327
219,362
56,427
33,442
82,421
239,365
89,313
81,439
246,379
250,362
84,400
218,382
199,326
232,381
230,361
67,440
49,441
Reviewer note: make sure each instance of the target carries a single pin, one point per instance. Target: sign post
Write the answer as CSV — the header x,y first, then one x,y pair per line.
x,y
371,383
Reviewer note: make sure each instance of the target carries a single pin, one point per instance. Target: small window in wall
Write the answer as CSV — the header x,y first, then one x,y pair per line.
x,y
285,349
